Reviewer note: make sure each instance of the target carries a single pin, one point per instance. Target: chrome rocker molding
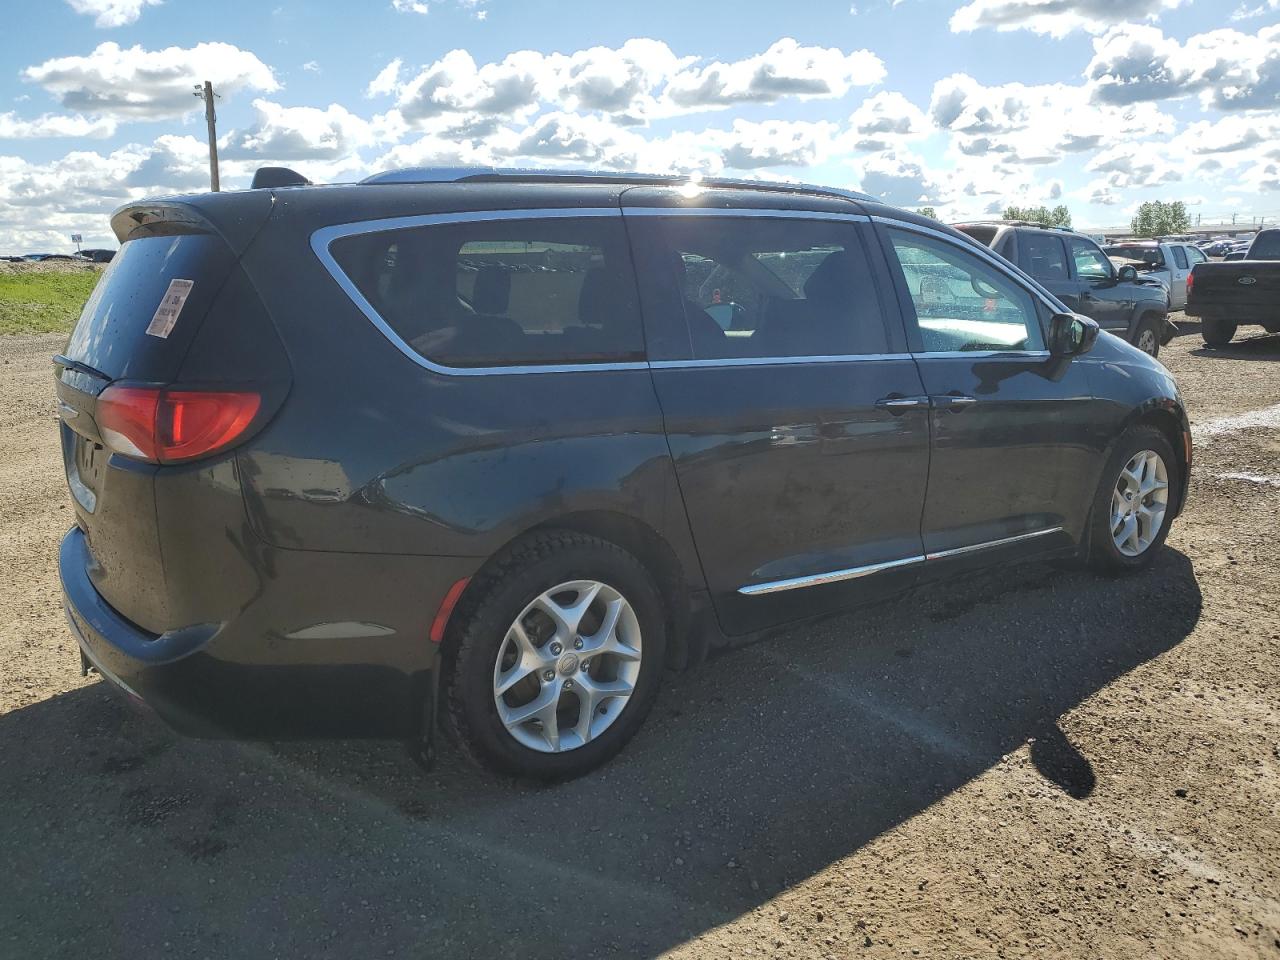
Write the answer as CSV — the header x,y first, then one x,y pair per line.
x,y
853,573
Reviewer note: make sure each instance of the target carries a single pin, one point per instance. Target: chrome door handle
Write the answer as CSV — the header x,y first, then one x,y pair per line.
x,y
954,403
900,405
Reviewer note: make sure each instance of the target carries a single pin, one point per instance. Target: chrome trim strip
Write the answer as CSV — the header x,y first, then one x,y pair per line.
x,y
322,238
972,548
984,354
1023,279
744,212
853,573
817,579
772,361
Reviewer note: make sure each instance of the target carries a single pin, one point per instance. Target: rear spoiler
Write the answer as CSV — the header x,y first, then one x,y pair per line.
x,y
235,216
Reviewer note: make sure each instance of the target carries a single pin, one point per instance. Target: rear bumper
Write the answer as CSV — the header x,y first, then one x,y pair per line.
x,y
247,679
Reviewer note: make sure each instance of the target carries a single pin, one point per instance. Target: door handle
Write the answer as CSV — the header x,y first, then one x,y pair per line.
x,y
900,405
953,402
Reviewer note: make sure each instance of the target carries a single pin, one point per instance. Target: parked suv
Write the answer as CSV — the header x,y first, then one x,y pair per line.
x,y
1074,268
1169,262
505,445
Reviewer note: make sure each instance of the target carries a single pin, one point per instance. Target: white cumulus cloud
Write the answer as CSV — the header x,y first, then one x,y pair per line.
x,y
112,13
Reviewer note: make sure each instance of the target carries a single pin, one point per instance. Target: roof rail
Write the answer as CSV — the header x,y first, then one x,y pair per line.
x,y
533,175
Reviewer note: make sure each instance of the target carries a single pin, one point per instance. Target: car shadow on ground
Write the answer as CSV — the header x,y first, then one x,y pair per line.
x,y
755,771
1259,346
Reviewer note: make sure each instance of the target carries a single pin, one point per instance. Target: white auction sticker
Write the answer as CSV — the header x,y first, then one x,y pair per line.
x,y
161,324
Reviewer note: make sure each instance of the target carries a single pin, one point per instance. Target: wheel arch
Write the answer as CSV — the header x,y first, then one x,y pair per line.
x,y
1171,421
643,542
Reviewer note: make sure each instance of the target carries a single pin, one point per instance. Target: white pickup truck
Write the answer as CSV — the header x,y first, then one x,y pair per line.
x,y
1171,263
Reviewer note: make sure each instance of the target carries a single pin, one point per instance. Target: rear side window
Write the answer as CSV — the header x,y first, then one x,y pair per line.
x,y
1180,257
502,292
769,287
1045,256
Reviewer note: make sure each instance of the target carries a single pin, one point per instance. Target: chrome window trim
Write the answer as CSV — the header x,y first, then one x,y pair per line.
x,y
322,238
769,212
774,361
854,573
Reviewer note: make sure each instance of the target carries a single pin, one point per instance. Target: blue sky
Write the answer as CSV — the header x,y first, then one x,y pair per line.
x,y
964,105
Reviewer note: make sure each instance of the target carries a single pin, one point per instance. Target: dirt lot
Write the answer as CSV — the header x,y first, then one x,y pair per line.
x,y
1041,764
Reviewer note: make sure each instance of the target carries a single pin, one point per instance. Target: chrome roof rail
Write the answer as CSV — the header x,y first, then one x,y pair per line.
x,y
517,175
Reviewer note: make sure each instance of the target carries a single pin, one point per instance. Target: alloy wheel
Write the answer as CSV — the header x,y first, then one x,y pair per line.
x,y
568,666
1139,502
1147,341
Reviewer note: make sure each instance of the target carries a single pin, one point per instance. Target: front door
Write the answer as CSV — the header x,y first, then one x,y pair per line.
x,y
1101,294
1013,467
796,419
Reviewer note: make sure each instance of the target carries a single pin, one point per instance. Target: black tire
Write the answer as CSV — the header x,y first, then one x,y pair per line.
x,y
1217,332
1104,556
1146,335
479,628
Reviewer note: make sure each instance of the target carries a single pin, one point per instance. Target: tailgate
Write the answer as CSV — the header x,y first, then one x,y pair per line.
x,y
1246,289
136,329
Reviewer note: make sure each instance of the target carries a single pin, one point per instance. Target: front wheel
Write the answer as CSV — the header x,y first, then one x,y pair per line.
x,y
559,656
1147,336
1133,508
1217,332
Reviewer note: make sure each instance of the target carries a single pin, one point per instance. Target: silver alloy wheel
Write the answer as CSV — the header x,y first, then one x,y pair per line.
x,y
567,666
1147,341
1139,502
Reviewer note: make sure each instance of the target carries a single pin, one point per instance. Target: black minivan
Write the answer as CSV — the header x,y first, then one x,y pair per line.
x,y
502,445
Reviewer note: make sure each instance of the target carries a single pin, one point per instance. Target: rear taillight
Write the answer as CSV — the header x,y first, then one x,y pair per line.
x,y
1191,279
164,425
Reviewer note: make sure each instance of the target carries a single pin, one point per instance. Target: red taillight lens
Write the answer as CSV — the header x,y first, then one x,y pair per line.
x,y
168,426
1191,279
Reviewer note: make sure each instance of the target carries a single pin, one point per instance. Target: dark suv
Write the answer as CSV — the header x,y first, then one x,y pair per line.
x,y
503,446
1076,271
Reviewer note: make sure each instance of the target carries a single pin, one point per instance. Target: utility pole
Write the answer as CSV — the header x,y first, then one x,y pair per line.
x,y
206,94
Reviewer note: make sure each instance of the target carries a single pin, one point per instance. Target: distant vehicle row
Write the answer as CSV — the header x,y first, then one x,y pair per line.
x,y
84,256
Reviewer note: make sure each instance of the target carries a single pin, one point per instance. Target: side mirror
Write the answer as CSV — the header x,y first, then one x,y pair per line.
x,y
1070,335
1128,273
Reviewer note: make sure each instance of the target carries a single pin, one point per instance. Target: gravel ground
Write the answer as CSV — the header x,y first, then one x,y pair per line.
x,y
1037,763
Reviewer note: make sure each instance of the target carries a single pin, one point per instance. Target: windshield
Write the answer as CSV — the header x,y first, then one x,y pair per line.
x,y
1151,256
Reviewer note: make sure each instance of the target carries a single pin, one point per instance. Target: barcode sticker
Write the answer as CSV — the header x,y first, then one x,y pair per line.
x,y
161,324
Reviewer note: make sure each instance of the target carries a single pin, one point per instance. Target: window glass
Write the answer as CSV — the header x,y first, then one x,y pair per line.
x,y
1266,246
962,302
1196,255
502,292
1180,257
1090,263
762,287
1044,255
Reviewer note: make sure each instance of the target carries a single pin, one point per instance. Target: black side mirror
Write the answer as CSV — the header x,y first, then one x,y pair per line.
x,y
1070,335
1128,273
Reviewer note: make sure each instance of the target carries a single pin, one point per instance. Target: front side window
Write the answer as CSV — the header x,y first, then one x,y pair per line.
x,y
963,303
1045,256
771,287
1195,255
1089,261
503,292
1180,257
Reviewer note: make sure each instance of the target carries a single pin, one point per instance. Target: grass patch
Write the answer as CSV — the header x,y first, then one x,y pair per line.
x,y
43,302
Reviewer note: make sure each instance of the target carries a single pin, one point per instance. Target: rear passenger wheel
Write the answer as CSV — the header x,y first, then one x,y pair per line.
x,y
559,657
1217,333
1133,508
1147,337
